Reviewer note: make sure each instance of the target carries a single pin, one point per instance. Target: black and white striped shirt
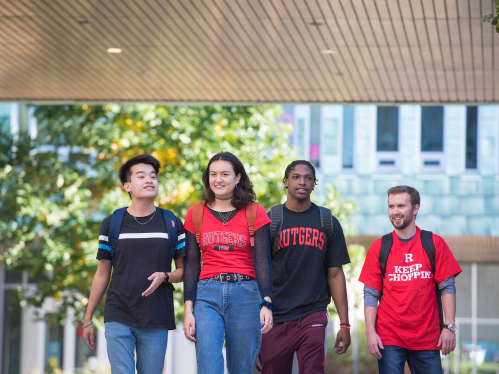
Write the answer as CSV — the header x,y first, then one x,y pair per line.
x,y
141,251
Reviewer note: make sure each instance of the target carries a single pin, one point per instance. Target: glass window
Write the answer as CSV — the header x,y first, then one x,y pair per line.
x,y
348,137
11,333
84,355
432,129
4,117
463,288
301,135
488,348
387,129
471,137
13,276
315,135
487,291
330,136
54,346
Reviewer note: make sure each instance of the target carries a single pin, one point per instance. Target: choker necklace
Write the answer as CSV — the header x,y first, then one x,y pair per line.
x,y
140,223
224,198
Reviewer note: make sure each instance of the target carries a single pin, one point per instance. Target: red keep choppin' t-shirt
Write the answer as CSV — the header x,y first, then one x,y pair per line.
x,y
226,249
408,312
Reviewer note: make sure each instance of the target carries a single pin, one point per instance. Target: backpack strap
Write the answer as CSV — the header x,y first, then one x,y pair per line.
x,y
114,230
171,226
251,210
276,215
326,219
429,247
197,218
386,247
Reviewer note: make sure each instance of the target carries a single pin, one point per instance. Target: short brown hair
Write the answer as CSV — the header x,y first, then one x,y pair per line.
x,y
413,193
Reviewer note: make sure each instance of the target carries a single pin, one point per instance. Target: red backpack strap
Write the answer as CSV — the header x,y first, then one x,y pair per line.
x,y
251,210
197,218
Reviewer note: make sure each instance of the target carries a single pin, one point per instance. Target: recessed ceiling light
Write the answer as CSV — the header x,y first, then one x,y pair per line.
x,y
327,51
114,50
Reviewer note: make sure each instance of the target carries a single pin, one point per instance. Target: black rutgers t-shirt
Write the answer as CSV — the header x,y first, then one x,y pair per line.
x,y
299,266
141,251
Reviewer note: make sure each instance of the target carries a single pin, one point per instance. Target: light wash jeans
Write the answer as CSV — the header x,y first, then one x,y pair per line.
x,y
150,344
227,310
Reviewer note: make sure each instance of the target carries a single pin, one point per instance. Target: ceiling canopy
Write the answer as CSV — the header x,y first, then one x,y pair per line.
x,y
248,51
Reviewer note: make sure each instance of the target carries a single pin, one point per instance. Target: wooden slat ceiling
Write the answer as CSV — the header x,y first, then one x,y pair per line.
x,y
248,51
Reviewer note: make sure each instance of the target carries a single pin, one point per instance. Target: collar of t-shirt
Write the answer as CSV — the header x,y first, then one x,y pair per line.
x,y
405,241
293,212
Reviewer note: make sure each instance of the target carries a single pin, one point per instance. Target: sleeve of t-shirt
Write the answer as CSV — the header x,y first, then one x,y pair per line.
x,y
371,270
188,225
337,252
104,251
180,251
261,217
445,263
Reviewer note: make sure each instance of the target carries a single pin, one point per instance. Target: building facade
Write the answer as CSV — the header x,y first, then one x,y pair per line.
x,y
450,154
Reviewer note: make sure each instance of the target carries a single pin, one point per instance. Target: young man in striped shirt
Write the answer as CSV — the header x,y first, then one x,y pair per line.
x,y
139,304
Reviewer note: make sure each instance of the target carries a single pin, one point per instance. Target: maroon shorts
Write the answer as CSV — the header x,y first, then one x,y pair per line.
x,y
305,336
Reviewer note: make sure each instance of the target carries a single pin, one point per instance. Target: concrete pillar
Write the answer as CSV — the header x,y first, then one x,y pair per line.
x,y
33,336
68,361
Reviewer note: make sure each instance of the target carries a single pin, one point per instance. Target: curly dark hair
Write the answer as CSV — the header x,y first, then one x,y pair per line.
x,y
243,193
292,165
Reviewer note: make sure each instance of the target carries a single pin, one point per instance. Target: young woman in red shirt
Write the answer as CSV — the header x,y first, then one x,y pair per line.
x,y
223,298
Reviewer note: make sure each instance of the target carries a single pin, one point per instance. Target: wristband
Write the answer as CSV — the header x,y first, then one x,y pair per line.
x,y
345,326
271,306
88,324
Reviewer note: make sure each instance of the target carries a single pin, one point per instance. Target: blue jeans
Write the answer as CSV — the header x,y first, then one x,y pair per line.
x,y
149,342
227,310
420,362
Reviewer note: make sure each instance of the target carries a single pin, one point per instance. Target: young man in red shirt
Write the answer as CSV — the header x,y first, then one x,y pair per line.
x,y
308,252
406,325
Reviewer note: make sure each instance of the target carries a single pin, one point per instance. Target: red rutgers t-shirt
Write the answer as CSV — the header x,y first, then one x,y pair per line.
x,y
408,312
226,249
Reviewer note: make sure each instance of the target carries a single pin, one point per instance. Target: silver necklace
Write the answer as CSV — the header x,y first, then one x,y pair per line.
x,y
140,223
225,218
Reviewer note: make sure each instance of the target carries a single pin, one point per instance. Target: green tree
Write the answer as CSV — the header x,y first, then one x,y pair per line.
x,y
493,18
55,189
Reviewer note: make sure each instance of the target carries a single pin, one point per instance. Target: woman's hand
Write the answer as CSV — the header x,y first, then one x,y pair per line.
x,y
189,322
266,319
156,278
88,335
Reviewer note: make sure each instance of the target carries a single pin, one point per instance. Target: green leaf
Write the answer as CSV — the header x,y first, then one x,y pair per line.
x,y
486,17
495,20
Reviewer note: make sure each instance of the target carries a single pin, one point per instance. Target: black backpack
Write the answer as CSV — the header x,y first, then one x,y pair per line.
x,y
429,247
276,214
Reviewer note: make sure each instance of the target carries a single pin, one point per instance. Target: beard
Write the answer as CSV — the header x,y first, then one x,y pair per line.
x,y
405,222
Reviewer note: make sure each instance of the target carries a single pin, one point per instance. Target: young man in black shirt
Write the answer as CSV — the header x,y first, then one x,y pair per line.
x,y
139,303
307,264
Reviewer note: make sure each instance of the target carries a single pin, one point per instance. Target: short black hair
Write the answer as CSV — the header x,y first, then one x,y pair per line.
x,y
292,165
125,172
